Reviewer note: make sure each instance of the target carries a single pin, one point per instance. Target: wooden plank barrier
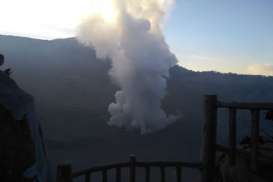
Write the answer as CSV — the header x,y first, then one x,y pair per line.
x,y
66,175
207,166
232,135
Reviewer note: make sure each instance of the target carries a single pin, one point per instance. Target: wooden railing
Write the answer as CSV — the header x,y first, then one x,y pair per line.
x,y
210,145
65,174
208,150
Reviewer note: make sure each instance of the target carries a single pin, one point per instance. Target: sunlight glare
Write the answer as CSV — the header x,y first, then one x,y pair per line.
x,y
106,9
51,18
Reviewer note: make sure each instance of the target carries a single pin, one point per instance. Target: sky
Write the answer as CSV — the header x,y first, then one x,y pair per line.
x,y
220,35
223,35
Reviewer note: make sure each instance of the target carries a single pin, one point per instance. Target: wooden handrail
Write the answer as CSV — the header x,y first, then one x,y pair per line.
x,y
210,144
67,175
246,105
100,168
208,163
212,104
196,165
193,165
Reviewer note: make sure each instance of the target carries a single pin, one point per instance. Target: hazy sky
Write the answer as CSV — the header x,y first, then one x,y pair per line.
x,y
221,35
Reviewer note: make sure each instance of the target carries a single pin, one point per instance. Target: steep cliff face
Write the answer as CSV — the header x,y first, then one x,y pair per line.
x,y
22,153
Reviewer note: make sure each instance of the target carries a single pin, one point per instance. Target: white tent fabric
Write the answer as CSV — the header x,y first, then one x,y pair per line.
x,y
21,104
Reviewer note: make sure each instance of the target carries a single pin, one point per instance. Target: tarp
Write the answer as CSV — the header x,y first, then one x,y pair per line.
x,y
21,104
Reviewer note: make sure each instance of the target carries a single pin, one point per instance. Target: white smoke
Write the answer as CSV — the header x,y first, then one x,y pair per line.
x,y
141,60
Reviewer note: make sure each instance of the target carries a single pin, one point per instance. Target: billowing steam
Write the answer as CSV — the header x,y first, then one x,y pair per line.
x,y
141,60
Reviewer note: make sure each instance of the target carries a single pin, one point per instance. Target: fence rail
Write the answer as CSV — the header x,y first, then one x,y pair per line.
x,y
65,173
208,150
210,145
246,105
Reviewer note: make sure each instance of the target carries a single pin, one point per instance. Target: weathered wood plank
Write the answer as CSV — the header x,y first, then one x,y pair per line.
x,y
118,174
132,172
195,165
147,174
246,105
104,176
99,168
87,177
255,128
64,173
208,150
162,173
232,135
178,174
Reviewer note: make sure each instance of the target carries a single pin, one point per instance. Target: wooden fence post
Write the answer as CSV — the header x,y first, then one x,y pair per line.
x,y
232,136
88,177
64,173
148,174
132,168
162,173
104,176
118,174
255,128
208,151
178,174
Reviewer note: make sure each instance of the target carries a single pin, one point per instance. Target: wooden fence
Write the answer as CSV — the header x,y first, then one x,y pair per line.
x,y
208,149
65,174
210,145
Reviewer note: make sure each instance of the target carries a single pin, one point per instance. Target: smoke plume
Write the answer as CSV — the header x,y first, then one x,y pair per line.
x,y
141,60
